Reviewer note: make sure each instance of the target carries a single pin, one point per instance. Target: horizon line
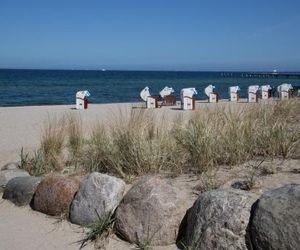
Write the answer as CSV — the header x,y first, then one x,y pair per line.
x,y
152,70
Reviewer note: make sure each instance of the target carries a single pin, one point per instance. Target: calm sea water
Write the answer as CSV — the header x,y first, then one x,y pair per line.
x,y
41,87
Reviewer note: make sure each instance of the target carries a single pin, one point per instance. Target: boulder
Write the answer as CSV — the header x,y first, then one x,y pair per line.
x,y
242,185
275,221
20,190
151,212
10,166
97,192
8,174
218,220
54,195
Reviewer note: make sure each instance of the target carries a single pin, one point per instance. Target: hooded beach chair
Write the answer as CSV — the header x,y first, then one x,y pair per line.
x,y
187,99
266,91
81,99
253,93
285,90
167,97
211,94
234,93
151,101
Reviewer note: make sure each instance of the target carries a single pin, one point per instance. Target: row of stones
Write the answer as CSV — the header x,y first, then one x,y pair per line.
x,y
153,210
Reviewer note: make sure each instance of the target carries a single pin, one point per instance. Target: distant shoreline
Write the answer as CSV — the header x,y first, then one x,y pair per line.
x,y
160,70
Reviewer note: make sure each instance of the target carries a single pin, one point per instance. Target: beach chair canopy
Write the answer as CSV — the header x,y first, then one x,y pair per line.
x,y
234,89
209,89
188,92
82,94
284,87
145,93
166,91
265,88
253,88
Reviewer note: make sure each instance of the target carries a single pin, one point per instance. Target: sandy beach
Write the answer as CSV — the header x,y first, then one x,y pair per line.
x,y
23,228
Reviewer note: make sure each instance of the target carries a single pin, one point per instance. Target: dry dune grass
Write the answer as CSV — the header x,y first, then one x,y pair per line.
x,y
47,158
136,144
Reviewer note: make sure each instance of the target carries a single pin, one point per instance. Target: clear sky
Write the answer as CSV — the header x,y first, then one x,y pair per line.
x,y
150,34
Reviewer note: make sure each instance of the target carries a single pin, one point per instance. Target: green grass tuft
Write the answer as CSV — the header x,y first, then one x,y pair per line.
x,y
101,228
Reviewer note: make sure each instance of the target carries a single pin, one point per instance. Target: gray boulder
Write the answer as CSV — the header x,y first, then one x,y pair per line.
x,y
97,192
151,212
275,222
20,190
7,175
218,220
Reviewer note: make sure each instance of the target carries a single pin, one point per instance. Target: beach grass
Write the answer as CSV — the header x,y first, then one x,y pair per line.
x,y
133,145
49,156
53,136
136,143
75,138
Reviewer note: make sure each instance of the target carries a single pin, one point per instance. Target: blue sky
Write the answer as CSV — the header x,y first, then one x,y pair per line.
x,y
151,35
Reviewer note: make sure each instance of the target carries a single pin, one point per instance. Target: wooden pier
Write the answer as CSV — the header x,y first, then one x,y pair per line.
x,y
289,75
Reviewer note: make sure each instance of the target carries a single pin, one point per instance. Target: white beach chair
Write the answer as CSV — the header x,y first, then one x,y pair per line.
x,y
211,94
81,99
151,101
284,91
187,99
265,92
167,97
253,93
234,94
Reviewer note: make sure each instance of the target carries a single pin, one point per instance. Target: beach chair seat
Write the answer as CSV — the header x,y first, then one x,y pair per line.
x,y
188,102
152,102
213,97
170,100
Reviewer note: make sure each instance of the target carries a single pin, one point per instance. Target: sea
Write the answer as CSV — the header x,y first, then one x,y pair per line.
x,y
53,87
